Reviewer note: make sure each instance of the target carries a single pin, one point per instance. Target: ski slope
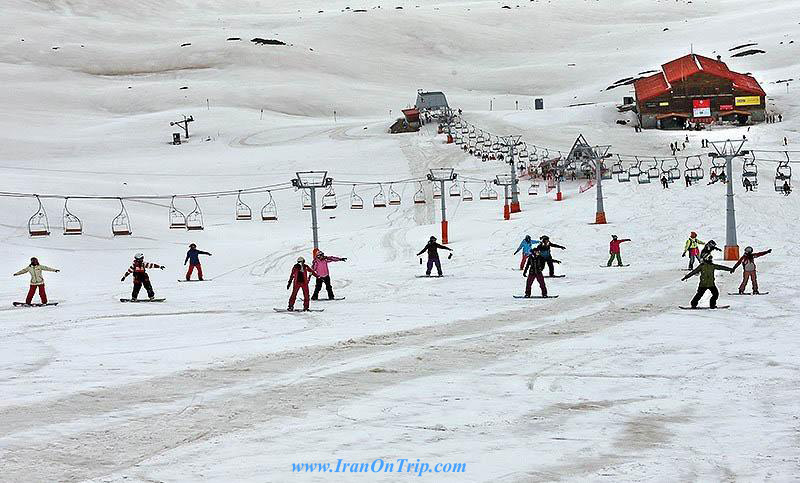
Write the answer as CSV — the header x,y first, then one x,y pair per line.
x,y
611,381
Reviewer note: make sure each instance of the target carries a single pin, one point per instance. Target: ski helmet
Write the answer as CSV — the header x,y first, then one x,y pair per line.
x,y
712,243
320,254
527,238
433,238
544,237
34,261
614,237
301,260
192,245
138,256
748,250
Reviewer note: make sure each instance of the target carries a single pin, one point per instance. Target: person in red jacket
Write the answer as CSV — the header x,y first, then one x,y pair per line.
x,y
747,261
615,251
140,276
301,273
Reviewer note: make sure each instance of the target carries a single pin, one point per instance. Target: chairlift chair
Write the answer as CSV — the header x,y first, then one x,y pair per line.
x,y
306,199
616,168
455,190
270,210
194,220
533,189
356,202
419,196
121,224
38,224
243,212
379,200
72,224
654,172
177,220
480,139
437,190
492,193
394,196
624,177
466,194
783,176
643,177
329,199
484,193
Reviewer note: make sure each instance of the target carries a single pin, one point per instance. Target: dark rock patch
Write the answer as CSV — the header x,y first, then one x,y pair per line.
x,y
745,53
261,41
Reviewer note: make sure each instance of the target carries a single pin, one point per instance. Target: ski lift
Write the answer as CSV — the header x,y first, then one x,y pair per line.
x,y
465,129
783,176
616,168
194,220
694,168
669,169
38,224
394,196
177,220
466,194
473,135
270,211
121,224
653,172
437,191
533,189
484,193
306,199
750,172
523,153
480,139
492,192
72,224
356,202
458,139
329,199
605,173
379,201
419,196
717,166
455,190
624,177
243,212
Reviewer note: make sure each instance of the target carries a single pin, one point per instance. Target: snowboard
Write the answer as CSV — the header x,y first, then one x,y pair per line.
x,y
737,293
193,280
138,301
23,304
328,300
554,276
616,266
430,276
296,311
705,308
535,297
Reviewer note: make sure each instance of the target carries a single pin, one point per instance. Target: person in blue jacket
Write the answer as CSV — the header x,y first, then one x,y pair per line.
x,y
526,245
193,257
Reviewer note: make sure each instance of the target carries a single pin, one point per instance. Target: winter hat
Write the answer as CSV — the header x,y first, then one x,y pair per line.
x,y
748,250
527,237
138,256
433,238
301,260
34,261
712,243
320,254
614,236
192,245
693,235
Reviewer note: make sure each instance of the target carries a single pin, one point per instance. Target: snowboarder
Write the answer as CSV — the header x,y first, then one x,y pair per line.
x,y
747,261
707,250
693,247
614,250
298,280
533,271
664,181
320,267
525,245
545,245
140,276
706,270
433,255
35,270
193,257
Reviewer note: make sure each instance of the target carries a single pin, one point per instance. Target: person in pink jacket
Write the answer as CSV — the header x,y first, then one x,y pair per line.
x,y
320,267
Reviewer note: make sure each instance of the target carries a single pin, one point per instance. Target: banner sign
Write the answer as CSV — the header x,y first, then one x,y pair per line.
x,y
748,101
701,108
726,107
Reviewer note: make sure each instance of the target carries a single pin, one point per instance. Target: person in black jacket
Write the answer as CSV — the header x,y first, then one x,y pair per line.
x,y
533,271
433,255
544,246
708,249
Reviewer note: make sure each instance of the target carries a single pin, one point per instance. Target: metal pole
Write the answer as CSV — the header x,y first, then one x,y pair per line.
x,y
600,215
731,244
515,208
558,183
506,209
444,213
314,219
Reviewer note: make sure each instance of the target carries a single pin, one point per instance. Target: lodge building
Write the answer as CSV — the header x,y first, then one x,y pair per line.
x,y
696,90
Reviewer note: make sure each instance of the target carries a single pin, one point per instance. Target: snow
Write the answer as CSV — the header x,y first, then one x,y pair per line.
x,y
609,381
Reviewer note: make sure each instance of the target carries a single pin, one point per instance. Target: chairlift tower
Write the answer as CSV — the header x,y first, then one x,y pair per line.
x,y
505,180
312,181
184,124
598,154
442,175
511,143
728,150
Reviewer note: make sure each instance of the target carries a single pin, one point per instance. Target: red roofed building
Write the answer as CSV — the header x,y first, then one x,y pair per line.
x,y
695,89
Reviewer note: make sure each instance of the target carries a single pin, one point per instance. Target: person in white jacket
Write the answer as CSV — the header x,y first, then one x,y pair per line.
x,y
35,269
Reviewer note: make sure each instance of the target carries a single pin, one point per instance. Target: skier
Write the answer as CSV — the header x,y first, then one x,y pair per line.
x,y
692,246
707,250
664,182
433,255
614,250
545,246
35,270
747,261
320,267
300,278
533,271
193,257
525,245
140,276
706,270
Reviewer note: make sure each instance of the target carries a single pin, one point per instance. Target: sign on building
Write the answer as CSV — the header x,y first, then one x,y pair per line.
x,y
701,108
748,101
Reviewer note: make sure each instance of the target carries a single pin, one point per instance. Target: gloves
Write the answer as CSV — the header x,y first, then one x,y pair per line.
x,y
288,285
420,261
163,267
122,279
449,256
683,255
344,259
769,251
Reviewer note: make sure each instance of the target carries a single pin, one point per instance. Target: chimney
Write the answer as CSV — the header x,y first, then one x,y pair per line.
x,y
719,58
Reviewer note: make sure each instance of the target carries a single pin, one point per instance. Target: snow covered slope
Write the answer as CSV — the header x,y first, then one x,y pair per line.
x,y
610,380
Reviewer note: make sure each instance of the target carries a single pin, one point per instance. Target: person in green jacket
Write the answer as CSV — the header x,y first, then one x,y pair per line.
x,y
35,270
693,247
706,270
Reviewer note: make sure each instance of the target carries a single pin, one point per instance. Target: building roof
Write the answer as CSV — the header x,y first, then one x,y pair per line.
x,y
431,100
689,65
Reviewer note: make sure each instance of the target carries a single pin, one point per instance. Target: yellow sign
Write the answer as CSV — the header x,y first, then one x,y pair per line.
x,y
748,101
663,104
